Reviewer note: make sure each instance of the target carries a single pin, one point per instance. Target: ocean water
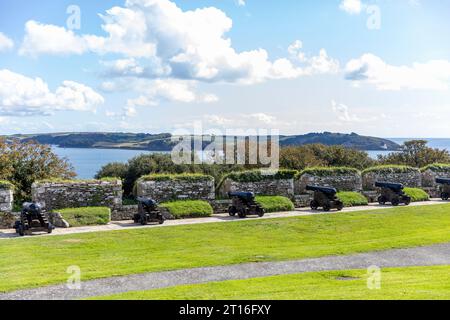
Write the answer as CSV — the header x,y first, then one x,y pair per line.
x,y
87,162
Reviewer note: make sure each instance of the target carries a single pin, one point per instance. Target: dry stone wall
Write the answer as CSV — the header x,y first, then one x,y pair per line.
x,y
411,179
268,187
177,189
74,194
342,182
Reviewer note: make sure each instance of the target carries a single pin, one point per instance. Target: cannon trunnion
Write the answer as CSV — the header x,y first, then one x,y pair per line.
x,y
392,193
444,187
244,204
148,212
32,218
326,198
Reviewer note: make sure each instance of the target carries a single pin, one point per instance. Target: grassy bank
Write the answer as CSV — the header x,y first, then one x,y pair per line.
x,y
396,284
89,216
352,199
275,203
37,261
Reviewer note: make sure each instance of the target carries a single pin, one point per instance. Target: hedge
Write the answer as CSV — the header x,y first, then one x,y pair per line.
x,y
326,171
275,203
439,167
352,199
188,209
88,216
190,177
6,184
417,194
390,169
257,175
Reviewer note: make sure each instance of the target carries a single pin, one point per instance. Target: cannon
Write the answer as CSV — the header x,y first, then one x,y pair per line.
x,y
393,193
325,197
445,188
148,212
244,204
32,218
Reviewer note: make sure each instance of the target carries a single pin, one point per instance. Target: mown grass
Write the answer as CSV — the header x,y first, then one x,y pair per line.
x,y
189,209
352,199
414,283
417,194
89,216
275,203
38,261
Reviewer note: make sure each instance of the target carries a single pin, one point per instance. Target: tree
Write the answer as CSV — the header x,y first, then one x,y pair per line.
x,y
22,163
416,153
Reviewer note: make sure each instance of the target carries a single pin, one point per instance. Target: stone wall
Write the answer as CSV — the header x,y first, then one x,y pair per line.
x,y
74,194
342,182
429,177
408,179
269,187
6,199
177,189
220,206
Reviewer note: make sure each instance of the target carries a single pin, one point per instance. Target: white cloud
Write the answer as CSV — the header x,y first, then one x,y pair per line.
x,y
5,43
156,91
21,95
432,75
320,64
158,35
351,6
240,3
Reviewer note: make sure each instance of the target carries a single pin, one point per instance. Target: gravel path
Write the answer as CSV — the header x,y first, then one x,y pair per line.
x,y
421,256
121,225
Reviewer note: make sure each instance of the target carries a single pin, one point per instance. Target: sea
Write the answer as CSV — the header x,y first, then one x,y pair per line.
x,y
87,162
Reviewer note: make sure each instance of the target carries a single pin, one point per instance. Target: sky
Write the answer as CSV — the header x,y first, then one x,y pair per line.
x,y
374,67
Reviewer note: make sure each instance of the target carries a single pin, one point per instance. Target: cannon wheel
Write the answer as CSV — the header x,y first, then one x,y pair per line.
x,y
407,201
161,219
382,200
395,202
326,207
242,213
232,211
261,212
340,206
21,230
314,205
49,228
143,220
445,196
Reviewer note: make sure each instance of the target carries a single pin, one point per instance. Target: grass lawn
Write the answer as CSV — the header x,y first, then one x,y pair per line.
x,y
275,203
37,261
89,216
396,284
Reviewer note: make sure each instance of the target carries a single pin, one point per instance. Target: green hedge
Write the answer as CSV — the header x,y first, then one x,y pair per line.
x,y
437,167
417,194
188,209
60,180
191,177
256,175
326,171
275,203
390,169
6,184
352,199
89,216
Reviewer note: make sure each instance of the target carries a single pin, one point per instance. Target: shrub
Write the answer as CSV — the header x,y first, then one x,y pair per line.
x,y
189,209
189,177
326,171
6,185
417,194
390,169
89,216
275,203
437,167
352,199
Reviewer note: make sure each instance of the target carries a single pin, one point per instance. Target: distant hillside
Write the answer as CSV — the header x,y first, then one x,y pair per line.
x,y
162,142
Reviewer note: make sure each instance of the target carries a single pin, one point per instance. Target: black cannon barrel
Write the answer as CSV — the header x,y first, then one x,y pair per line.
x,y
244,195
443,181
326,190
31,207
389,185
147,201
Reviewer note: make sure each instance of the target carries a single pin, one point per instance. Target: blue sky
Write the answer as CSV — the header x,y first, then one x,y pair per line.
x,y
373,67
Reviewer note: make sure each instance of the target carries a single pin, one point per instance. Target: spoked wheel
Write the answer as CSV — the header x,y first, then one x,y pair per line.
x,y
395,202
382,200
326,207
314,205
242,214
232,211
